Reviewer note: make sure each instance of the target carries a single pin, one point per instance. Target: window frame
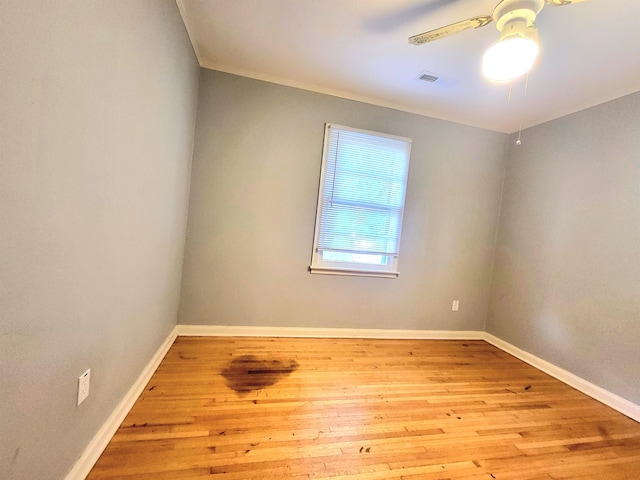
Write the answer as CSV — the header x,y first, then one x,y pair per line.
x,y
325,267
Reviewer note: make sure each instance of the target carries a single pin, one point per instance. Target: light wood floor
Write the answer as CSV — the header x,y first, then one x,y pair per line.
x,y
264,408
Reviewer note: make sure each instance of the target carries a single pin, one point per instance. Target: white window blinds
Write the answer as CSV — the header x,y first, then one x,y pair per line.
x,y
361,199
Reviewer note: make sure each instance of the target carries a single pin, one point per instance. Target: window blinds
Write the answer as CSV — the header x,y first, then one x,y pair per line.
x,y
363,192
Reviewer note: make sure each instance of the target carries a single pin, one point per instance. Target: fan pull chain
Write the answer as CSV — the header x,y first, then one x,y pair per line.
x,y
524,99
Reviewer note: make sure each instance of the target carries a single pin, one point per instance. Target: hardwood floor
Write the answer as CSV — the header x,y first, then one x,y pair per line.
x,y
265,408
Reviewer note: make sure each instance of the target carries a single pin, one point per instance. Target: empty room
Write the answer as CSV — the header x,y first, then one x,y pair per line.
x,y
304,239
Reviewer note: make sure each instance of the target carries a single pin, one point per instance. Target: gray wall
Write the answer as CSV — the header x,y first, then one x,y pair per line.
x,y
567,276
97,112
255,177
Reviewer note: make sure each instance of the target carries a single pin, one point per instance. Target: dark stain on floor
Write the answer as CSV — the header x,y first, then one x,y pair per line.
x,y
248,372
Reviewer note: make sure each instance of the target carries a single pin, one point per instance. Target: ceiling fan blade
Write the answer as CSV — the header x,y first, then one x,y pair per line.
x,y
430,36
560,3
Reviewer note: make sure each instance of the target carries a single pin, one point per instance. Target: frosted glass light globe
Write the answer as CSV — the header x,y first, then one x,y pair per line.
x,y
510,58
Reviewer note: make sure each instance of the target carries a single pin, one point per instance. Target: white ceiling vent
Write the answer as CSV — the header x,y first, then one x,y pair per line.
x,y
435,79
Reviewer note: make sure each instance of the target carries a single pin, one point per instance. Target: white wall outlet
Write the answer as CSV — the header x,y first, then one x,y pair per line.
x,y
83,386
455,305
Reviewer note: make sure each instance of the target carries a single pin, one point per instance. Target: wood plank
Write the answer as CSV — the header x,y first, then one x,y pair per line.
x,y
352,409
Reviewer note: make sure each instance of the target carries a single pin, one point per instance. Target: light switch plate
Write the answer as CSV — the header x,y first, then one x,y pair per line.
x,y
83,386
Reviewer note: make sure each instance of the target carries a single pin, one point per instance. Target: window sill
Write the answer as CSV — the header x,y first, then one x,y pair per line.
x,y
353,272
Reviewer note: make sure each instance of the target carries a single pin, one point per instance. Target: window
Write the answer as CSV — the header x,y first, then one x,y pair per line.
x,y
360,203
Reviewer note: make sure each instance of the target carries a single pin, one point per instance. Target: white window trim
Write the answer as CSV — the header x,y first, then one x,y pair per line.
x,y
320,266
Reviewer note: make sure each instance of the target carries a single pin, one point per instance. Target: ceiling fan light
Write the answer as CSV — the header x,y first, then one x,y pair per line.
x,y
509,58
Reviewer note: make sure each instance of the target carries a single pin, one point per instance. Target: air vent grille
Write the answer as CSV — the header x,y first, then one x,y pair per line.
x,y
435,79
428,78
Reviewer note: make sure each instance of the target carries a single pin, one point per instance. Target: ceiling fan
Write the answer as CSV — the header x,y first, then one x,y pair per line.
x,y
517,49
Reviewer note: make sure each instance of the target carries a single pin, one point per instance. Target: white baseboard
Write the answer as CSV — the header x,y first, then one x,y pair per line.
x,y
301,332
616,402
102,438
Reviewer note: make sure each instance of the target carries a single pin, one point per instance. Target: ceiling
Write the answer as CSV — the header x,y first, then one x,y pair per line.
x,y
358,49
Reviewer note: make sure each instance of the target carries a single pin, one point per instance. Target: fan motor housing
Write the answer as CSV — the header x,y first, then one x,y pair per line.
x,y
524,11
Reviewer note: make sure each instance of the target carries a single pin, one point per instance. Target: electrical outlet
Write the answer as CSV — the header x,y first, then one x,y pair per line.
x,y
455,305
83,386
